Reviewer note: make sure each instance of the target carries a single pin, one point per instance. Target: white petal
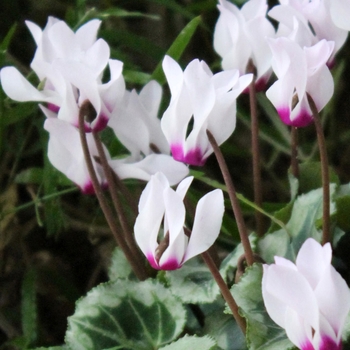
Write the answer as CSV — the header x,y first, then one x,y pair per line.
x,y
175,219
17,87
65,151
290,288
333,298
183,186
174,75
173,170
312,260
340,12
86,35
207,223
151,212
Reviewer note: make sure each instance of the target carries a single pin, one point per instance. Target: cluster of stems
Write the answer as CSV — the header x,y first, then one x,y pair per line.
x,y
123,234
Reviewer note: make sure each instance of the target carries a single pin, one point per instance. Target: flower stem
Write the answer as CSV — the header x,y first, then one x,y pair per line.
x,y
103,203
326,235
116,201
233,198
294,152
255,150
225,291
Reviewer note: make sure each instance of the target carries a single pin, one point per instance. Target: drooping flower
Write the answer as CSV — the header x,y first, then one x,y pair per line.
x,y
300,71
309,299
206,99
240,36
160,203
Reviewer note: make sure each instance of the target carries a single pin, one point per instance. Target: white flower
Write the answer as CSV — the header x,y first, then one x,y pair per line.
x,y
240,35
309,299
206,99
320,19
300,71
160,203
70,66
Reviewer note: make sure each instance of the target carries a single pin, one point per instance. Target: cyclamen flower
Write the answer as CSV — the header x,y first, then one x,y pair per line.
x,y
300,71
159,202
69,74
329,20
207,99
240,35
58,41
309,299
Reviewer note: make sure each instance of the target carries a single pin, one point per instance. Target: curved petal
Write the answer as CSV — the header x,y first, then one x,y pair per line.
x,y
174,75
17,87
151,212
144,169
207,223
183,186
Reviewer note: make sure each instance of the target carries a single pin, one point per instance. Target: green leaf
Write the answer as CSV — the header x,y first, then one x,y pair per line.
x,y
225,331
18,112
120,267
63,347
29,307
262,332
310,177
192,342
118,12
178,47
31,175
135,77
194,283
306,213
7,40
132,315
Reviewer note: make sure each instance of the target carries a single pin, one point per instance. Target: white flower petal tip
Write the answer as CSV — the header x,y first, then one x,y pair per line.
x,y
309,299
161,209
206,99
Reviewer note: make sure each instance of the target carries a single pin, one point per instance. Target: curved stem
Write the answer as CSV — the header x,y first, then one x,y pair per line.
x,y
326,234
225,291
233,198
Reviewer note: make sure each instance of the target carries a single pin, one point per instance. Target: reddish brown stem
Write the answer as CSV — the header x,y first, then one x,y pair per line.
x,y
102,200
233,198
225,291
255,151
326,226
